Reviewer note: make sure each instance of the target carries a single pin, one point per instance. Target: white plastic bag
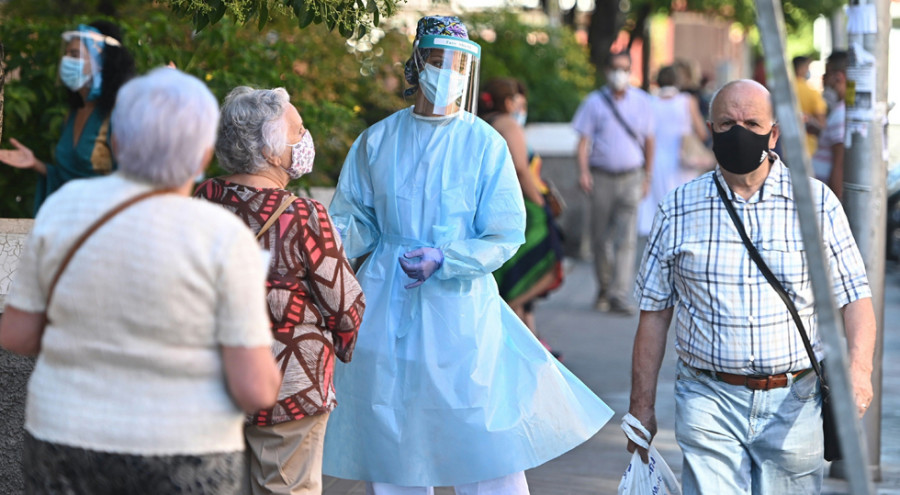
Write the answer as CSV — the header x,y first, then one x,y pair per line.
x,y
653,478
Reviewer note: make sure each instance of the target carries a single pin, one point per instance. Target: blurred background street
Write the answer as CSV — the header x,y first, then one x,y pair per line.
x,y
344,73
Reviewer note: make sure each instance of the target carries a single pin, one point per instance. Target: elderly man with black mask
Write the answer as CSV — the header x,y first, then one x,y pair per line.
x,y
748,406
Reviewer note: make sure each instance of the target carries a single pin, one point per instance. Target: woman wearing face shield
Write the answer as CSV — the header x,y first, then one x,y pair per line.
x,y
315,303
93,67
447,386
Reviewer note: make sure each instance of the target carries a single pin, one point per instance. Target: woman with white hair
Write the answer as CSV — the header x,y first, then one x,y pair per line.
x,y
315,303
146,311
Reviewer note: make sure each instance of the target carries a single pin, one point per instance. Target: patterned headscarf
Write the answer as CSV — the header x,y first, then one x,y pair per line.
x,y
431,25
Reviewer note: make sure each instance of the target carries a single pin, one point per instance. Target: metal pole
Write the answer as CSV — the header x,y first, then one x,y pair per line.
x,y
838,24
865,172
770,21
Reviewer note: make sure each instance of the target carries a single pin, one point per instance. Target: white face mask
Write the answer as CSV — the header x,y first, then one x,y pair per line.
x,y
521,117
618,79
302,155
441,86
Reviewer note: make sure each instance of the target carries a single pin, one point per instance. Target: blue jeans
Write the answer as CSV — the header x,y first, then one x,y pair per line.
x,y
741,441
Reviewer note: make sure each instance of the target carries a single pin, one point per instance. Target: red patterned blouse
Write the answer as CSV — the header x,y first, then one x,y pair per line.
x,y
315,302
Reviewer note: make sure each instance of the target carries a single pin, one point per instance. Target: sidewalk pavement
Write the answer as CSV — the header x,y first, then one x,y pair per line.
x,y
597,348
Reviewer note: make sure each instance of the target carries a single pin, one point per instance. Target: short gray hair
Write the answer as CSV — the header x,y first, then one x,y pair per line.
x,y
163,124
251,128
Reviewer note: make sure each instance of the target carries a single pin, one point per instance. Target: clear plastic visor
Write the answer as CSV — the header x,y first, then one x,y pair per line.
x,y
448,77
81,60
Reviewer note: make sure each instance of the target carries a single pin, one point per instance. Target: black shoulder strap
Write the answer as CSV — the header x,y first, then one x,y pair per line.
x,y
770,277
621,120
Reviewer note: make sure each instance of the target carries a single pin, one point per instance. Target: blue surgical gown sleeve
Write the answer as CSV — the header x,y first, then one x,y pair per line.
x,y
499,221
353,205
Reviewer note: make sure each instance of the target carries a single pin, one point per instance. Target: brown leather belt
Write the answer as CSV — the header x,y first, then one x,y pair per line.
x,y
758,382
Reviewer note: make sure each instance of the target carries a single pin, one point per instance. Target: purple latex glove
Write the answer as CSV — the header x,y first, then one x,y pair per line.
x,y
431,260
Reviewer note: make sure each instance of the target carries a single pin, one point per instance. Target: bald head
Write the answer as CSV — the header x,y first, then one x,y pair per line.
x,y
741,101
741,90
746,103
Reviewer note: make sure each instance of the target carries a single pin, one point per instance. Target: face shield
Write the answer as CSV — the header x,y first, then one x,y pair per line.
x,y
448,74
81,63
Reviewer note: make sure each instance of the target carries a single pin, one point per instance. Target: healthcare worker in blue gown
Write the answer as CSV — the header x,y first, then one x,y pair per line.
x,y
446,386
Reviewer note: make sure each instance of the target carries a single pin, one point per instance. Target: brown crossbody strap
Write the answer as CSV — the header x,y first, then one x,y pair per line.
x,y
277,213
93,228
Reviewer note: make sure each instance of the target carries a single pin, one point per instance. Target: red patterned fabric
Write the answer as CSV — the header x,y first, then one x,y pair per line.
x,y
315,302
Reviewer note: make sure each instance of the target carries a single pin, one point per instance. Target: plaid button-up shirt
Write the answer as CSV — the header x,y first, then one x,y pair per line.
x,y
727,317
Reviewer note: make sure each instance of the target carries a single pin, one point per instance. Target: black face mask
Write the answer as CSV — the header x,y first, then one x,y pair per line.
x,y
739,150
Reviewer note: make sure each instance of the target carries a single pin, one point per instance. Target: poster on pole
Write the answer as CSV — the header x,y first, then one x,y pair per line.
x,y
861,74
861,71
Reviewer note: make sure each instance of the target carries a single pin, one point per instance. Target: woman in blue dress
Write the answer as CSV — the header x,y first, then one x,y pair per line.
x,y
93,68
447,386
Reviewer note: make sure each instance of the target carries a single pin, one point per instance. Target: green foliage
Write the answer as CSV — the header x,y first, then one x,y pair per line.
x,y
324,80
338,90
552,65
34,106
801,41
340,85
348,16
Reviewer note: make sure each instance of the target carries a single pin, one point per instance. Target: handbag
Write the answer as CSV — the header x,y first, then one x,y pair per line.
x,y
829,426
555,200
694,155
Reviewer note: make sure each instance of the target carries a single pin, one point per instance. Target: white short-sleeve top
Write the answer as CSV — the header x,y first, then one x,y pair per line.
x,y
130,359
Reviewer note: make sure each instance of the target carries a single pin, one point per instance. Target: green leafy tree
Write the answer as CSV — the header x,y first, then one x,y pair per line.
x,y
340,85
348,16
339,89
34,106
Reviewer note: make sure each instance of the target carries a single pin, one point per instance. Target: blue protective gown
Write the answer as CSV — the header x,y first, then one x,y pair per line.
x,y
446,386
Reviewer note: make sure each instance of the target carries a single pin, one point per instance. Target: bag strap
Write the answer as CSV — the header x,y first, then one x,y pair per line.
x,y
277,213
93,228
770,277
621,120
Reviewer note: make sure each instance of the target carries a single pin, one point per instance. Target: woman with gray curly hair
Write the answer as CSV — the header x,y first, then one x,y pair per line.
x,y
315,302
146,311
